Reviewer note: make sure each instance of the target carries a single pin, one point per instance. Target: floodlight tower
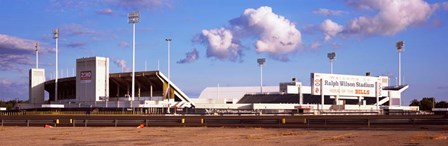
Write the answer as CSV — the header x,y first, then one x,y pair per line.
x,y
400,48
56,37
37,54
261,61
331,56
134,17
168,40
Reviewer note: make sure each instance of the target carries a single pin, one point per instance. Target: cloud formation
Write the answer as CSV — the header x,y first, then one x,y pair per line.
x,y
78,30
315,45
138,4
445,5
12,90
190,57
122,64
106,11
274,35
9,62
328,12
17,52
123,45
442,87
76,44
330,29
220,44
393,16
127,5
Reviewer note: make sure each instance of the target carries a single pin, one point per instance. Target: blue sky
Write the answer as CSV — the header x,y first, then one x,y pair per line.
x,y
218,42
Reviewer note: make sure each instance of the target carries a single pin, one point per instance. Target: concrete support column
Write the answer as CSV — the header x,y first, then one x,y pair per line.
x,y
150,91
127,92
138,98
322,93
118,91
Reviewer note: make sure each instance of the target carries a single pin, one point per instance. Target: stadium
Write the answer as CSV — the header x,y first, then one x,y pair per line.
x,y
95,87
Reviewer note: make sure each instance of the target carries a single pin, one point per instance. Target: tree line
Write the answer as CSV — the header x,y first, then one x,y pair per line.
x,y
427,103
10,104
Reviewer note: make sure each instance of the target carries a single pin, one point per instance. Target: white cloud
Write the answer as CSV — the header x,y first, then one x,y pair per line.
x,y
123,45
139,4
80,6
106,11
11,90
393,16
315,45
330,29
122,64
274,35
76,44
328,12
5,82
190,57
336,45
14,45
445,5
78,30
277,35
220,44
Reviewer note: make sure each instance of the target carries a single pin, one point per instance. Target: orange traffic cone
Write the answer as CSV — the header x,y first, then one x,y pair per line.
x,y
141,126
48,126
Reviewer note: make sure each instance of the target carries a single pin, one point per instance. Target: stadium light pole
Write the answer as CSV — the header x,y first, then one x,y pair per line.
x,y
331,56
134,17
56,37
37,54
168,40
400,48
261,61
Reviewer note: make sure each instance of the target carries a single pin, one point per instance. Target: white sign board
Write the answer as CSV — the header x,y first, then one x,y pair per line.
x,y
347,85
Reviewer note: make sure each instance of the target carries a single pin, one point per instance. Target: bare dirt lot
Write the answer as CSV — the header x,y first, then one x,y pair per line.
x,y
216,136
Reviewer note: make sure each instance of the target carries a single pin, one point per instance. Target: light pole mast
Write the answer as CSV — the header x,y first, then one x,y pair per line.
x,y
134,17
168,40
261,61
56,37
37,55
331,56
399,45
168,95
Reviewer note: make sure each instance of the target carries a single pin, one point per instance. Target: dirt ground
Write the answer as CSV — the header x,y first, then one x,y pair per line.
x,y
216,136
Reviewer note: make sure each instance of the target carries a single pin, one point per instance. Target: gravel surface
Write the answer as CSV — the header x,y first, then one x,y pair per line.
x,y
217,136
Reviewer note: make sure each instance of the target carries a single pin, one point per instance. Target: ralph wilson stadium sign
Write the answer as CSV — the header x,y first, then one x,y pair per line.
x,y
347,85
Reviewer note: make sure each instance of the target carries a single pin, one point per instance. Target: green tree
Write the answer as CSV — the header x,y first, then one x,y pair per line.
x,y
427,103
415,102
442,104
10,104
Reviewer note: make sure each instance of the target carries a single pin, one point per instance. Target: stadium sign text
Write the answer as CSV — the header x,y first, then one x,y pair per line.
x,y
347,85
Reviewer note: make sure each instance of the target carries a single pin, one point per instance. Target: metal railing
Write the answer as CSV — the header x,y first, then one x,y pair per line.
x,y
106,113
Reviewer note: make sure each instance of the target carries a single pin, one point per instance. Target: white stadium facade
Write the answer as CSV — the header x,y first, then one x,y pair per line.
x,y
94,87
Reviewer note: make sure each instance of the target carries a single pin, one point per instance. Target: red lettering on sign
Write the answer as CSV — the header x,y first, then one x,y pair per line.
x,y
364,92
